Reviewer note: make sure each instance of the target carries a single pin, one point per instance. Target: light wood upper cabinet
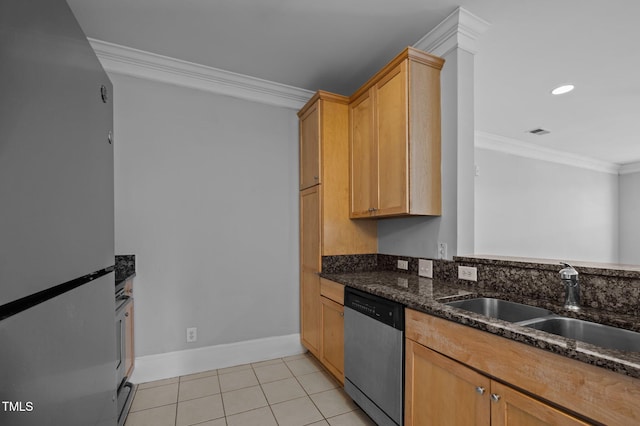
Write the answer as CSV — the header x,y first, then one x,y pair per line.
x,y
395,139
310,147
364,166
338,234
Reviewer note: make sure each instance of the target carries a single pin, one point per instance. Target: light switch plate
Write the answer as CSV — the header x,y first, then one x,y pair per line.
x,y
425,268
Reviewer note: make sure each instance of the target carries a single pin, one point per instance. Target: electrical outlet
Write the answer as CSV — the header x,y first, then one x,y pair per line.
x,y
442,250
468,273
403,264
192,334
425,268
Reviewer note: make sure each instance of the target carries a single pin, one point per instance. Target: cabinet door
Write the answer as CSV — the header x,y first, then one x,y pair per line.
x,y
310,325
310,147
440,391
310,243
333,337
392,136
510,407
363,156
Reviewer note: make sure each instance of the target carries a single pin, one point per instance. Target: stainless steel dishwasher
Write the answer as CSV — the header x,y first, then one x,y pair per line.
x,y
374,355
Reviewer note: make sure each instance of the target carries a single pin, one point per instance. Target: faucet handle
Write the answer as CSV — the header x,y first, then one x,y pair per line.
x,y
568,272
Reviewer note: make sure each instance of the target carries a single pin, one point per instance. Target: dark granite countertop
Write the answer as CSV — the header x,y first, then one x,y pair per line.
x,y
429,295
125,267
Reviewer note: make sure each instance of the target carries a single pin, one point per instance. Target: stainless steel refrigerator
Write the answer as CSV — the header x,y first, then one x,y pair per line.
x,y
57,308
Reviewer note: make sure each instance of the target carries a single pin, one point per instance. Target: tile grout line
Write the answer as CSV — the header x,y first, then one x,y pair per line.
x,y
224,411
252,368
305,390
265,395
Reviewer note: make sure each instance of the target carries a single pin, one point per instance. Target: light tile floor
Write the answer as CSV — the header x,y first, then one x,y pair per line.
x,y
292,391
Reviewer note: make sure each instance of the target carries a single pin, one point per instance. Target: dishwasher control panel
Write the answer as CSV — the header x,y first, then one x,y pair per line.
x,y
379,308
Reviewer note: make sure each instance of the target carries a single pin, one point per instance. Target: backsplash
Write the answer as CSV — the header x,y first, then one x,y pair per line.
x,y
602,288
442,269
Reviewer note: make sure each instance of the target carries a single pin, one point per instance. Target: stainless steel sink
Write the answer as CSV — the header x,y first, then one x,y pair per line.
x,y
500,309
590,332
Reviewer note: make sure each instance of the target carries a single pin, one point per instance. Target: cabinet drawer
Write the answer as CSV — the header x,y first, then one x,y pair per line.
x,y
332,290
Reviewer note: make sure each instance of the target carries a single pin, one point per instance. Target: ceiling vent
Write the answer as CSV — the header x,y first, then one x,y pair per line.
x,y
539,132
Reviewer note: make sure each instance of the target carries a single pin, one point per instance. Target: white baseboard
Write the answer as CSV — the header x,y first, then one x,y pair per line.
x,y
179,363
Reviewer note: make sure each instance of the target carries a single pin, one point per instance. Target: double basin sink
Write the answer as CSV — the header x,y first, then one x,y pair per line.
x,y
545,320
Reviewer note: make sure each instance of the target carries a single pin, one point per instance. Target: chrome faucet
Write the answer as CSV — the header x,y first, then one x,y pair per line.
x,y
569,277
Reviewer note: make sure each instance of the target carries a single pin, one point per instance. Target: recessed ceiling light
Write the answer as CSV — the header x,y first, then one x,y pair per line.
x,y
562,89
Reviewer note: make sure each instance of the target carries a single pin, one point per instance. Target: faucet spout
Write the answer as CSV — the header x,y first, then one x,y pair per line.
x,y
569,277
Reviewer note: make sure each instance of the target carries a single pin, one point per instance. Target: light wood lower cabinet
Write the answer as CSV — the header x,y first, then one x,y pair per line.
x,y
512,408
310,308
442,391
447,362
332,352
322,328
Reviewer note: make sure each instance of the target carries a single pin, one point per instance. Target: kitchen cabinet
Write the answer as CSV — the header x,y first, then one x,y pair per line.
x,y
446,361
440,391
394,122
309,268
512,408
310,147
325,227
332,326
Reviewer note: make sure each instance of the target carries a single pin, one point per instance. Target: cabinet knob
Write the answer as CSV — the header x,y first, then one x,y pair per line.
x,y
341,314
495,397
126,314
480,390
315,177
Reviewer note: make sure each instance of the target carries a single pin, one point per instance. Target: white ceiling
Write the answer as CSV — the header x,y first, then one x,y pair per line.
x,y
336,45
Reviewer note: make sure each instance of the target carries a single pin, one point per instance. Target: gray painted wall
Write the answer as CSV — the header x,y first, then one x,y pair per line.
x,y
534,208
629,214
205,195
419,236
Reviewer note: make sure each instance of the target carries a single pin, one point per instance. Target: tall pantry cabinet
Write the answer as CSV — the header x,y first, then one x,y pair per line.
x,y
325,227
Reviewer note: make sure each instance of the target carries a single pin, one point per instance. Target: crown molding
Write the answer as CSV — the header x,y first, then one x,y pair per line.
x,y
626,169
138,63
461,29
493,142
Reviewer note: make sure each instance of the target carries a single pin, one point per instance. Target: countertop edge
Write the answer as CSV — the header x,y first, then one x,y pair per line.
x,y
385,284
